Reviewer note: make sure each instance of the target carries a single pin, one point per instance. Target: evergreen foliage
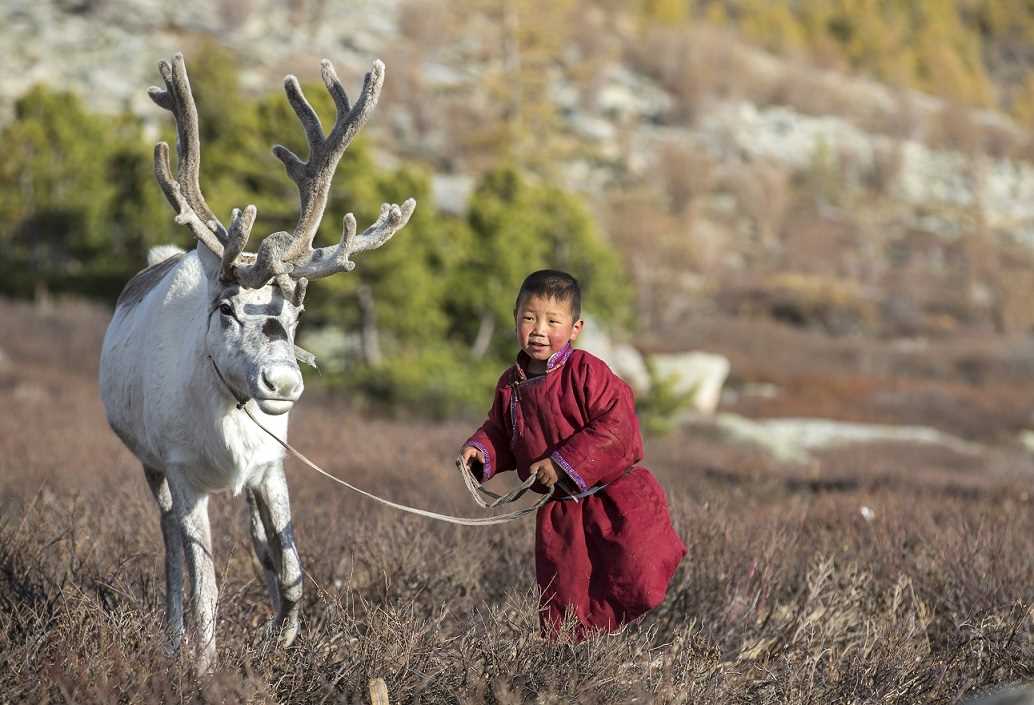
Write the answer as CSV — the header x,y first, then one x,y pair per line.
x,y
76,210
519,226
79,208
659,407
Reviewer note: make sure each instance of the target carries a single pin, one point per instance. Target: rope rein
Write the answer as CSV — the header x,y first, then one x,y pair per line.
x,y
469,481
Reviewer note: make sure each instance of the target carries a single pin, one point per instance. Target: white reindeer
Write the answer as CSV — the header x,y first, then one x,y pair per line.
x,y
199,333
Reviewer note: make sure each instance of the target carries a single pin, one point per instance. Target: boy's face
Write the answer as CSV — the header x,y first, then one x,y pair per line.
x,y
544,326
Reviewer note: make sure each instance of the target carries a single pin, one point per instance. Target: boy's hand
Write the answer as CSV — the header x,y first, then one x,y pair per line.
x,y
469,452
545,472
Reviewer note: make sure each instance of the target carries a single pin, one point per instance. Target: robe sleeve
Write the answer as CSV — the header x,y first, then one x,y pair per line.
x,y
493,439
610,442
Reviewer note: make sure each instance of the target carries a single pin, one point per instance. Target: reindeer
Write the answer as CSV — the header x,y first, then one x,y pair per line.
x,y
199,334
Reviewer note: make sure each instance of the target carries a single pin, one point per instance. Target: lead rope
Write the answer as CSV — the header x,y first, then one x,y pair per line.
x,y
469,481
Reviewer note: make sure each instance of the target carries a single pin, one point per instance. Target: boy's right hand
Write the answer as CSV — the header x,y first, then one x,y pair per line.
x,y
469,452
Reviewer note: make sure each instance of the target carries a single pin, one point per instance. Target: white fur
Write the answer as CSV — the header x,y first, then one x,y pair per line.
x,y
162,395
160,253
164,400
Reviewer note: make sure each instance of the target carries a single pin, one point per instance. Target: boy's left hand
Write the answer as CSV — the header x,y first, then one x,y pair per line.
x,y
545,472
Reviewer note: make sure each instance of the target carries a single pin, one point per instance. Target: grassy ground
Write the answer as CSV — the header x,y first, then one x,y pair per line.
x,y
880,574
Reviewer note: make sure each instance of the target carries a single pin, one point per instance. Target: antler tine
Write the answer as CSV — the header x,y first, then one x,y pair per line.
x,y
324,261
300,287
185,214
269,262
178,100
236,239
313,178
292,253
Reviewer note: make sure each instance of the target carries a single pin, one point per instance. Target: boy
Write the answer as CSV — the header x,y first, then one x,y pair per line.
x,y
605,550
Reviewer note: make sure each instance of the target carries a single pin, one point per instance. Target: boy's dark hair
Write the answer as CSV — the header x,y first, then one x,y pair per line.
x,y
552,284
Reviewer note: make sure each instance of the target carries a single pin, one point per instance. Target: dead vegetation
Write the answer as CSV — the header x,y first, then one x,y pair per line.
x,y
884,574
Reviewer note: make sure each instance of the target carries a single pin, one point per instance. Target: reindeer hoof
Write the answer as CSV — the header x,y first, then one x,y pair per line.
x,y
280,631
174,643
205,664
287,634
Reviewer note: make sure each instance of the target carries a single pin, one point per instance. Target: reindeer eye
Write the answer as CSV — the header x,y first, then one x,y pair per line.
x,y
226,309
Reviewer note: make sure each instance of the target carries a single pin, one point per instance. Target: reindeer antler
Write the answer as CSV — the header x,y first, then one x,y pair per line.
x,y
325,261
293,254
280,254
184,193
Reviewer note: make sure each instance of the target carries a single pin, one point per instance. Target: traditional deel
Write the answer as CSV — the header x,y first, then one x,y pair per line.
x,y
607,551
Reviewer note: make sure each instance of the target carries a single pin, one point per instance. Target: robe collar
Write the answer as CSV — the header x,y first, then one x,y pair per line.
x,y
555,361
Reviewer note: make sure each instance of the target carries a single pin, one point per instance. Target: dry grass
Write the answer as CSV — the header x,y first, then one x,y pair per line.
x,y
789,595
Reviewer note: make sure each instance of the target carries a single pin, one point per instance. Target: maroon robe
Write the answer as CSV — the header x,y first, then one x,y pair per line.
x,y
607,557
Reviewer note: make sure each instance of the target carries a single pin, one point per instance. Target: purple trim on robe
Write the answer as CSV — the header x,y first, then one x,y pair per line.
x,y
488,470
513,416
559,357
555,360
566,467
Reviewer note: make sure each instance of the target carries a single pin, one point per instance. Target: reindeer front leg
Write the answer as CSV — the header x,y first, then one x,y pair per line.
x,y
173,540
191,508
274,509
265,568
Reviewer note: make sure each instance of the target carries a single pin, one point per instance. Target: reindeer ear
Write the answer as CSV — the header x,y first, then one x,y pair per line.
x,y
211,263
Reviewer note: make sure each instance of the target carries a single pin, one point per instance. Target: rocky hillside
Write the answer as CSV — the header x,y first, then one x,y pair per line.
x,y
759,186
107,50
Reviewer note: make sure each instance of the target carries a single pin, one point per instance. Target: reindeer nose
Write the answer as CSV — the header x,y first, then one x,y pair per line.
x,y
282,382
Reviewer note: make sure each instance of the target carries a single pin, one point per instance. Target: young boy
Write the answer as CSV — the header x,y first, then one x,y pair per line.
x,y
605,550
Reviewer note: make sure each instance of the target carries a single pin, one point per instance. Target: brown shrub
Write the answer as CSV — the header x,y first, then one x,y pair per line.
x,y
663,272
836,306
762,193
954,128
684,175
692,65
888,158
977,387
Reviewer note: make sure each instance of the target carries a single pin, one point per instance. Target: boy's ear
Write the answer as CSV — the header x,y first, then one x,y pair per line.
x,y
576,329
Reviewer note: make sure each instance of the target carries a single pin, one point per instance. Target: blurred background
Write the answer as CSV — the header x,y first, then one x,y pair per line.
x,y
808,210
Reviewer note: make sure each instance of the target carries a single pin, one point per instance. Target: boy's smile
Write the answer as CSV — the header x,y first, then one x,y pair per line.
x,y
544,326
